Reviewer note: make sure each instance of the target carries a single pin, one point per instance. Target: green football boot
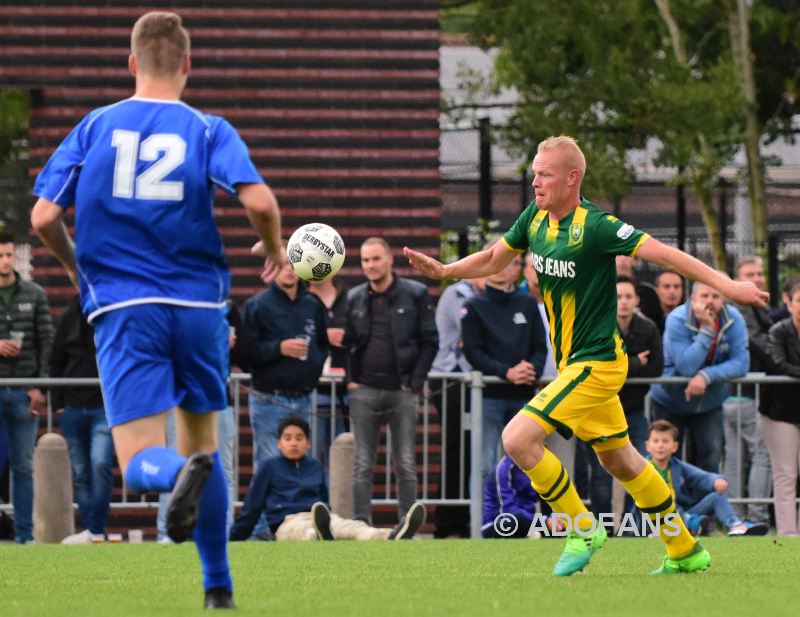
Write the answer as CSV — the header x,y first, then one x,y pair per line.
x,y
579,551
696,561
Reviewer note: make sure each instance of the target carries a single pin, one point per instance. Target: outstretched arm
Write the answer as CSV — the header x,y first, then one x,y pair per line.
x,y
477,265
48,223
669,257
265,217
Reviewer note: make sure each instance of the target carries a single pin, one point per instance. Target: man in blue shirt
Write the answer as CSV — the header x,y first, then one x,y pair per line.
x,y
150,266
705,339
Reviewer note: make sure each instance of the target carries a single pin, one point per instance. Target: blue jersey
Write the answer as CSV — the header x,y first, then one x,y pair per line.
x,y
141,174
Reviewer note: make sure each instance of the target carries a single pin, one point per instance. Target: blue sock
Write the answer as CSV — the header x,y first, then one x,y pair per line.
x,y
210,532
153,469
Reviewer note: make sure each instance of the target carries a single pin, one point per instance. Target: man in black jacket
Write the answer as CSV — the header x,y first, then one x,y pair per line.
x,y
82,417
26,335
645,358
392,340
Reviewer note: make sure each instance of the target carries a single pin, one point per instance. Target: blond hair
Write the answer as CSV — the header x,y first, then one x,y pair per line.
x,y
575,158
159,42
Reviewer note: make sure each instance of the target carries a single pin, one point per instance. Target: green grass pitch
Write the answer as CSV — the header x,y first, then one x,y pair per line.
x,y
748,576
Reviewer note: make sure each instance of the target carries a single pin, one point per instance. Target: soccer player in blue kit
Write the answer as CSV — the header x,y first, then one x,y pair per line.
x,y
149,263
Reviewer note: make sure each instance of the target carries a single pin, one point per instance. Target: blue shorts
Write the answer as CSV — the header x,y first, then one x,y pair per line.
x,y
153,357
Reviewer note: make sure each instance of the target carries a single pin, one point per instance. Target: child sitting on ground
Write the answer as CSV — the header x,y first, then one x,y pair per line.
x,y
290,489
686,481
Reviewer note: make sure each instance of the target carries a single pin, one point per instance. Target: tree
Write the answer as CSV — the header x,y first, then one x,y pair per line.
x,y
14,196
617,74
702,148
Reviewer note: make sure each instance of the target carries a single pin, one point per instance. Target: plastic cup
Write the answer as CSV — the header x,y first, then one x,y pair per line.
x,y
17,336
135,536
307,339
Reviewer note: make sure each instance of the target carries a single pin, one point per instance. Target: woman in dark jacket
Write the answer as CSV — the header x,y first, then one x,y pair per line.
x,y
780,416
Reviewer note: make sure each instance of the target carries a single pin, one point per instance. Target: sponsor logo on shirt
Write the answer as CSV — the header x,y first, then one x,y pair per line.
x,y
624,232
519,318
554,267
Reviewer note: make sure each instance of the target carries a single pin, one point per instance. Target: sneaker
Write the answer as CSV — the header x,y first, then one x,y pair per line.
x,y
746,528
579,550
698,560
321,517
219,597
164,541
409,524
184,502
83,537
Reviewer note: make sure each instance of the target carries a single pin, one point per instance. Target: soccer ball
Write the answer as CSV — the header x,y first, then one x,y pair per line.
x,y
316,252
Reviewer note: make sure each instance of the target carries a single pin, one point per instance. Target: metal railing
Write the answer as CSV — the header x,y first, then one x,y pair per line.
x,y
471,421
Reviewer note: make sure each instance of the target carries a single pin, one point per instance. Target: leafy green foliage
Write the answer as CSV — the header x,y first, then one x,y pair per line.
x,y
775,32
14,194
614,75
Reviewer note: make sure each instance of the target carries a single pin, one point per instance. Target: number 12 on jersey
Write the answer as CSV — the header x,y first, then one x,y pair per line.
x,y
149,184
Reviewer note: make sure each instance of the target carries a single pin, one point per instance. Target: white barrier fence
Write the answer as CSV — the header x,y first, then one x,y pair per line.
x,y
451,384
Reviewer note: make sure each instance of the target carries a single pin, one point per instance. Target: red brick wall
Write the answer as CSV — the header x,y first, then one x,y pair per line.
x,y
337,99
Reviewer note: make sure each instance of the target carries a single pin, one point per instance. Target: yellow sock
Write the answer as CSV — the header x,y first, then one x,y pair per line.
x,y
550,480
653,498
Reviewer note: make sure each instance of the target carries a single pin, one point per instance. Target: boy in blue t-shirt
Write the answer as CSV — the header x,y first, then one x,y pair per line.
x,y
686,482
150,265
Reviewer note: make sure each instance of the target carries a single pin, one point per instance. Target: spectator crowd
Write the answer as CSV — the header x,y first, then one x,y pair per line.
x,y
381,338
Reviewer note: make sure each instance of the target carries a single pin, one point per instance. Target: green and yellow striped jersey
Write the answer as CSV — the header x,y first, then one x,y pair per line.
x,y
574,260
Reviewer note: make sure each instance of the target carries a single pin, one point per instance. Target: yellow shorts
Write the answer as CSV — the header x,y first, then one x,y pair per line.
x,y
583,401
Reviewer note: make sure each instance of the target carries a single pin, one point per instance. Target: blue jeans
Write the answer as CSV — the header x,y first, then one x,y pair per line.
x,y
91,453
321,434
496,414
266,412
3,448
22,430
716,504
705,431
594,481
226,437
637,430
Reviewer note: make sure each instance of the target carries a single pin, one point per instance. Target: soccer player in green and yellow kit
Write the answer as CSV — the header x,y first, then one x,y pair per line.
x,y
574,245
